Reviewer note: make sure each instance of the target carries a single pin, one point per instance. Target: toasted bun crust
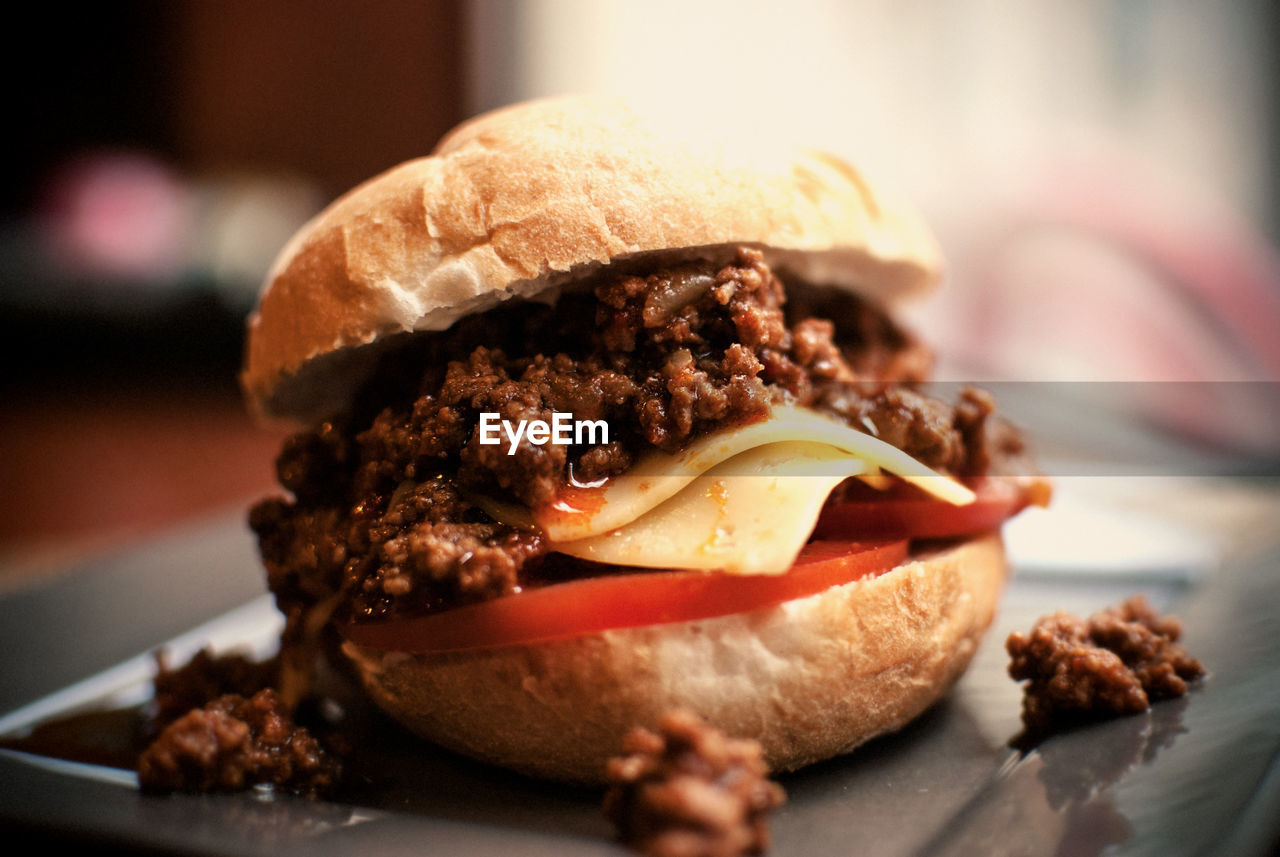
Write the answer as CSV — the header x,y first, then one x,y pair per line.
x,y
810,679
519,201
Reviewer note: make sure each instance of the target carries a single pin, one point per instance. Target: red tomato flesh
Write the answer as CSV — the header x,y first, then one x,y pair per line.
x,y
601,603
904,511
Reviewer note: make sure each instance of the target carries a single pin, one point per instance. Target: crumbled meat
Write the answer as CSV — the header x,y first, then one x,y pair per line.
x,y
690,791
991,445
421,548
1116,662
908,420
202,679
380,511
234,743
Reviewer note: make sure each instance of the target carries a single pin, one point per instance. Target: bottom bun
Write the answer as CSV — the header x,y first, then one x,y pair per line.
x,y
809,679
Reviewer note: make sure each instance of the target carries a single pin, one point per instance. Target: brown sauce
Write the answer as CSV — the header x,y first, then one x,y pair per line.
x,y
113,738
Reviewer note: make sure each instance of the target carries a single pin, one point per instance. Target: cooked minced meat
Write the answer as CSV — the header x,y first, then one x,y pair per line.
x,y
380,511
1116,662
234,743
202,679
690,791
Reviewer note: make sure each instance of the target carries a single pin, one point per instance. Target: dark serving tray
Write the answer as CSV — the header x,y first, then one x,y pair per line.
x,y
1196,775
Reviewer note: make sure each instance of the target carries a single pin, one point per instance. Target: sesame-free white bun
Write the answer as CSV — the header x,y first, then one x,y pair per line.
x,y
810,679
520,201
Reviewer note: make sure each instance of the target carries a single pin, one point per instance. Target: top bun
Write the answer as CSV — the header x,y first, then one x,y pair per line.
x,y
517,202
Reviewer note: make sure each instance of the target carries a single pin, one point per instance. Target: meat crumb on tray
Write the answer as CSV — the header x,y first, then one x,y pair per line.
x,y
690,791
1115,663
234,743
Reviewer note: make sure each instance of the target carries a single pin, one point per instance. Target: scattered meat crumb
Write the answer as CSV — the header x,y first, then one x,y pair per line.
x,y
1115,663
234,743
690,791
202,679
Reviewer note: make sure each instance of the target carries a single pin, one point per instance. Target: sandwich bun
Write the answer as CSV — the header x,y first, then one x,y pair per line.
x,y
520,201
520,204
809,679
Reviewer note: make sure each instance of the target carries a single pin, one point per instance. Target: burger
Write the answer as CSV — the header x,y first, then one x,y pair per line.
x,y
600,418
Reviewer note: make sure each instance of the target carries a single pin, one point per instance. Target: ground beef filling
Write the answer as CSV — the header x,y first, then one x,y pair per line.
x,y
234,743
201,680
689,790
379,511
1116,662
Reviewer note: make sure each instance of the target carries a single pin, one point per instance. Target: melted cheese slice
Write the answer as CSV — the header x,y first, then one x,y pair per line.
x,y
585,512
749,515
742,501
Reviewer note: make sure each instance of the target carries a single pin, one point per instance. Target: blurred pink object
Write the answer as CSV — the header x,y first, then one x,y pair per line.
x,y
1098,268
117,214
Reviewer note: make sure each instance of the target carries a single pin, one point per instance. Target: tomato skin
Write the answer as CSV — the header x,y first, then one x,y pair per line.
x,y
906,512
607,602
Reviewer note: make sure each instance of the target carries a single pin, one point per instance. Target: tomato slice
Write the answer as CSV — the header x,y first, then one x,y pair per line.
x,y
625,600
906,512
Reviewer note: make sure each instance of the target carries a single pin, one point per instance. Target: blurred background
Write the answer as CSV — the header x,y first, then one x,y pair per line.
x,y
1104,176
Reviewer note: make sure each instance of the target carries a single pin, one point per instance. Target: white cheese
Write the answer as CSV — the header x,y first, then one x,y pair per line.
x,y
749,515
743,500
593,511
